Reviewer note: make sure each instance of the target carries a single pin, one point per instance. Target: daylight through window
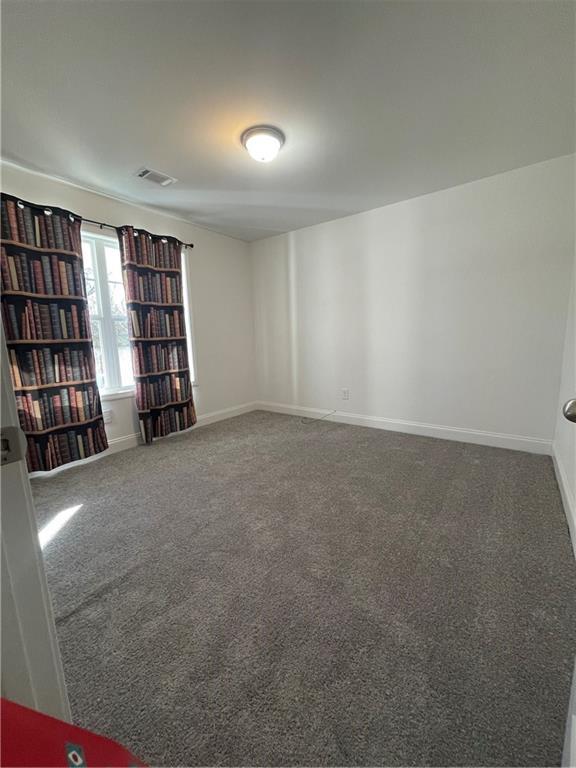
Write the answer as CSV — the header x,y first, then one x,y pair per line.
x,y
107,305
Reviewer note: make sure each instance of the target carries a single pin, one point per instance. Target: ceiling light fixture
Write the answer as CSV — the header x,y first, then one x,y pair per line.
x,y
263,142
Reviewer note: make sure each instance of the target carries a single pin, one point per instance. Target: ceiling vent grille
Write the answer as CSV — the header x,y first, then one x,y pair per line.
x,y
155,177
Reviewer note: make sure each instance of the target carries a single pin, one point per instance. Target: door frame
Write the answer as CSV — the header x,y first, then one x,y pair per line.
x,y
32,672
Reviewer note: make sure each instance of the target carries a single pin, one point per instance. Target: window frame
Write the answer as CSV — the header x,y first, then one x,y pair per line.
x,y
105,317
111,358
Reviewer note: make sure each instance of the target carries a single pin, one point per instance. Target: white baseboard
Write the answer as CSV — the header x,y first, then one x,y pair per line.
x,y
495,439
123,443
567,497
202,420
225,413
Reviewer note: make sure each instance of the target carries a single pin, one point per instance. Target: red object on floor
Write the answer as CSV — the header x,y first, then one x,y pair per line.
x,y
31,739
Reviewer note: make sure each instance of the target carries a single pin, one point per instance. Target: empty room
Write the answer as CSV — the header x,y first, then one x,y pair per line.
x,y
288,383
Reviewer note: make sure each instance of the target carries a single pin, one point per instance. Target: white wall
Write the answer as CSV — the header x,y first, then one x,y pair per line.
x,y
446,310
444,315
220,294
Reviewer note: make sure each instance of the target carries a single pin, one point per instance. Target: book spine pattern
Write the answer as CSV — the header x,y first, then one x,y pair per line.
x,y
65,446
29,320
47,328
154,287
40,367
41,273
57,407
151,267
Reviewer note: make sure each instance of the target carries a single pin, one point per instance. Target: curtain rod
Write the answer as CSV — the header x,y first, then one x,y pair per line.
x,y
102,224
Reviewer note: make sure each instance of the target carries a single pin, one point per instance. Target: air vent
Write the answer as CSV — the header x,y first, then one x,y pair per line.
x,y
155,177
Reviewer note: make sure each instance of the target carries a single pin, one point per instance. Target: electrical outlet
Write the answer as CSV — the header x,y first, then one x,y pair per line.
x,y
107,416
345,393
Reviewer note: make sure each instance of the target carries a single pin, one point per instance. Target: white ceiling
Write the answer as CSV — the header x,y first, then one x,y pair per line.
x,y
379,101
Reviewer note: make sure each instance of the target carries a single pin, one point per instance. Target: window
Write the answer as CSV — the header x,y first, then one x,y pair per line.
x,y
107,306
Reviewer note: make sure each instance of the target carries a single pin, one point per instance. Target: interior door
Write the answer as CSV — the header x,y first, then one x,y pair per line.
x,y
31,666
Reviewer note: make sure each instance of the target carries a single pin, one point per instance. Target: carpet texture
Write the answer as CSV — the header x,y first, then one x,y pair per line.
x,y
275,591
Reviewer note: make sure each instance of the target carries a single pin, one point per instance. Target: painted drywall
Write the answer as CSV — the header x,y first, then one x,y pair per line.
x,y
219,289
442,315
380,101
565,432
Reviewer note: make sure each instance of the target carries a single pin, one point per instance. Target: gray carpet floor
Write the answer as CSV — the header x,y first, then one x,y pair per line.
x,y
271,591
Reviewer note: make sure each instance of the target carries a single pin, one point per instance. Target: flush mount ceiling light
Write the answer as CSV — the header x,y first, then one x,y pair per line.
x,y
262,142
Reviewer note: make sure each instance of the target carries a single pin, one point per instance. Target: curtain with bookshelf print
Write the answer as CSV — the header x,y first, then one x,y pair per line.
x,y
47,330
152,271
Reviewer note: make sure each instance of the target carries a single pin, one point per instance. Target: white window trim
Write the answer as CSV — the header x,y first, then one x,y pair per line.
x,y
190,340
111,360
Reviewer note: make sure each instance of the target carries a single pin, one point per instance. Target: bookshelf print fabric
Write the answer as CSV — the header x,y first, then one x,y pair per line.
x,y
47,329
151,267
